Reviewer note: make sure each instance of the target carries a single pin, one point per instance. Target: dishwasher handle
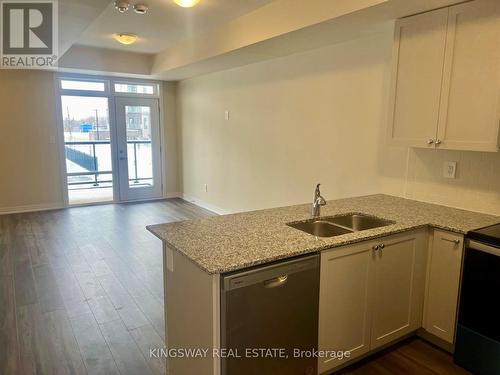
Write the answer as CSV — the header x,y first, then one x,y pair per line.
x,y
276,282
270,276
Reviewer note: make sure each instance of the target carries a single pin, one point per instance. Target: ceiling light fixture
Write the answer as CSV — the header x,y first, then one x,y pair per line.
x,y
122,5
186,3
125,38
141,8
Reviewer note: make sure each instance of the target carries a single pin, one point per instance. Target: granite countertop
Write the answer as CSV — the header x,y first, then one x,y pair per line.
x,y
231,242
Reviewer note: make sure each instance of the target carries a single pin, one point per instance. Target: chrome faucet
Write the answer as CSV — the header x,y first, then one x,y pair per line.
x,y
318,201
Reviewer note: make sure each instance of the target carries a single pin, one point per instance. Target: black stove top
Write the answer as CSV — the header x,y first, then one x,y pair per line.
x,y
489,235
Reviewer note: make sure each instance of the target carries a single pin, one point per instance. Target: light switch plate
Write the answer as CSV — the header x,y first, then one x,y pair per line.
x,y
450,169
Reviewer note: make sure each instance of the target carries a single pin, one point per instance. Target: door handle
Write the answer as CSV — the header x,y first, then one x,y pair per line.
x,y
123,158
274,283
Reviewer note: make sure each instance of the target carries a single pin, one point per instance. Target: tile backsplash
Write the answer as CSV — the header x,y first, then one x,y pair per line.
x,y
477,183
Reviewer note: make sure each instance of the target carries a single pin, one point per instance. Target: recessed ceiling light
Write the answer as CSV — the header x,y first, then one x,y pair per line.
x,y
122,5
141,8
186,3
125,38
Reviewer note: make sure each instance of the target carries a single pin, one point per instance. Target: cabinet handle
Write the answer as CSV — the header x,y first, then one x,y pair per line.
x,y
381,246
375,247
430,141
456,242
438,142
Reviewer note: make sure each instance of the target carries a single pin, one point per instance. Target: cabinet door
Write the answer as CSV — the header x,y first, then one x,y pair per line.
x,y
344,309
469,110
418,59
399,283
443,280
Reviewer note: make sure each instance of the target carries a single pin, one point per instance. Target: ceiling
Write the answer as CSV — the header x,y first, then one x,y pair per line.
x,y
74,17
165,25
177,43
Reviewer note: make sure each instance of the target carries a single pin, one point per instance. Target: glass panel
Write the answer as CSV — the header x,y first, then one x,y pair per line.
x,y
88,148
82,85
134,89
139,150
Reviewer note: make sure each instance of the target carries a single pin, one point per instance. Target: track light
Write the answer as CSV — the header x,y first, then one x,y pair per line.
x,y
122,5
140,8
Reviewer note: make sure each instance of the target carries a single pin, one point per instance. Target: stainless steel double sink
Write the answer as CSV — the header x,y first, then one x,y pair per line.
x,y
338,225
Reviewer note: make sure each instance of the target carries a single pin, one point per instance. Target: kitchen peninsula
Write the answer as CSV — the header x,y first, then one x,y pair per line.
x,y
396,256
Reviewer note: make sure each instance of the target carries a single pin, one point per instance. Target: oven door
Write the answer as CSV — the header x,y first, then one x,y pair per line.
x,y
478,332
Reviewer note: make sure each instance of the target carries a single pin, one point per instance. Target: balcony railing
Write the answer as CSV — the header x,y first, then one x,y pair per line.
x,y
95,162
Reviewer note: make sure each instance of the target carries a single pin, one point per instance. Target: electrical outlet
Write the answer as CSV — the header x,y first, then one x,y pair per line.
x,y
206,188
450,169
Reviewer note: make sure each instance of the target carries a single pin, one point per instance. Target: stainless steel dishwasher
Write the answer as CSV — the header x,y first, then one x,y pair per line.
x,y
268,316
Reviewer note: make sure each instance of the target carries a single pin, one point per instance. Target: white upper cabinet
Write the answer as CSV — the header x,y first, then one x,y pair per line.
x,y
446,78
418,58
469,110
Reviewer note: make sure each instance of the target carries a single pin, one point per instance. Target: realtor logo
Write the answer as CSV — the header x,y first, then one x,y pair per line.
x,y
28,34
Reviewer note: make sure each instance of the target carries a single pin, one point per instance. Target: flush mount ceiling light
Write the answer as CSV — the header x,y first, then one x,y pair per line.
x,y
140,8
122,5
125,38
186,3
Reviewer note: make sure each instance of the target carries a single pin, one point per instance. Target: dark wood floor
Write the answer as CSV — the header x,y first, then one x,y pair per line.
x,y
81,291
410,357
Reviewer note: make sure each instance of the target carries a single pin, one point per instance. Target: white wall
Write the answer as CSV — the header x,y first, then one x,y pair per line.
x,y
318,116
477,186
312,117
171,171
29,164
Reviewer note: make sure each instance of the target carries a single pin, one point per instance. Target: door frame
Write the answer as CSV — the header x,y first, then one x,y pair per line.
x,y
111,95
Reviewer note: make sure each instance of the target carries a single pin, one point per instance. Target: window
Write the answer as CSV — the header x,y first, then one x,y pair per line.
x,y
83,85
131,88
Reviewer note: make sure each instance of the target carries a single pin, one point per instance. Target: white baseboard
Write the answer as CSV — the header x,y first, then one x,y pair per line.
x,y
175,194
30,208
205,205
57,206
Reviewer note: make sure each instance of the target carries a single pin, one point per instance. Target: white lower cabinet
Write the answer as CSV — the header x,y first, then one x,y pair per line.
x,y
443,281
370,294
344,302
398,287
